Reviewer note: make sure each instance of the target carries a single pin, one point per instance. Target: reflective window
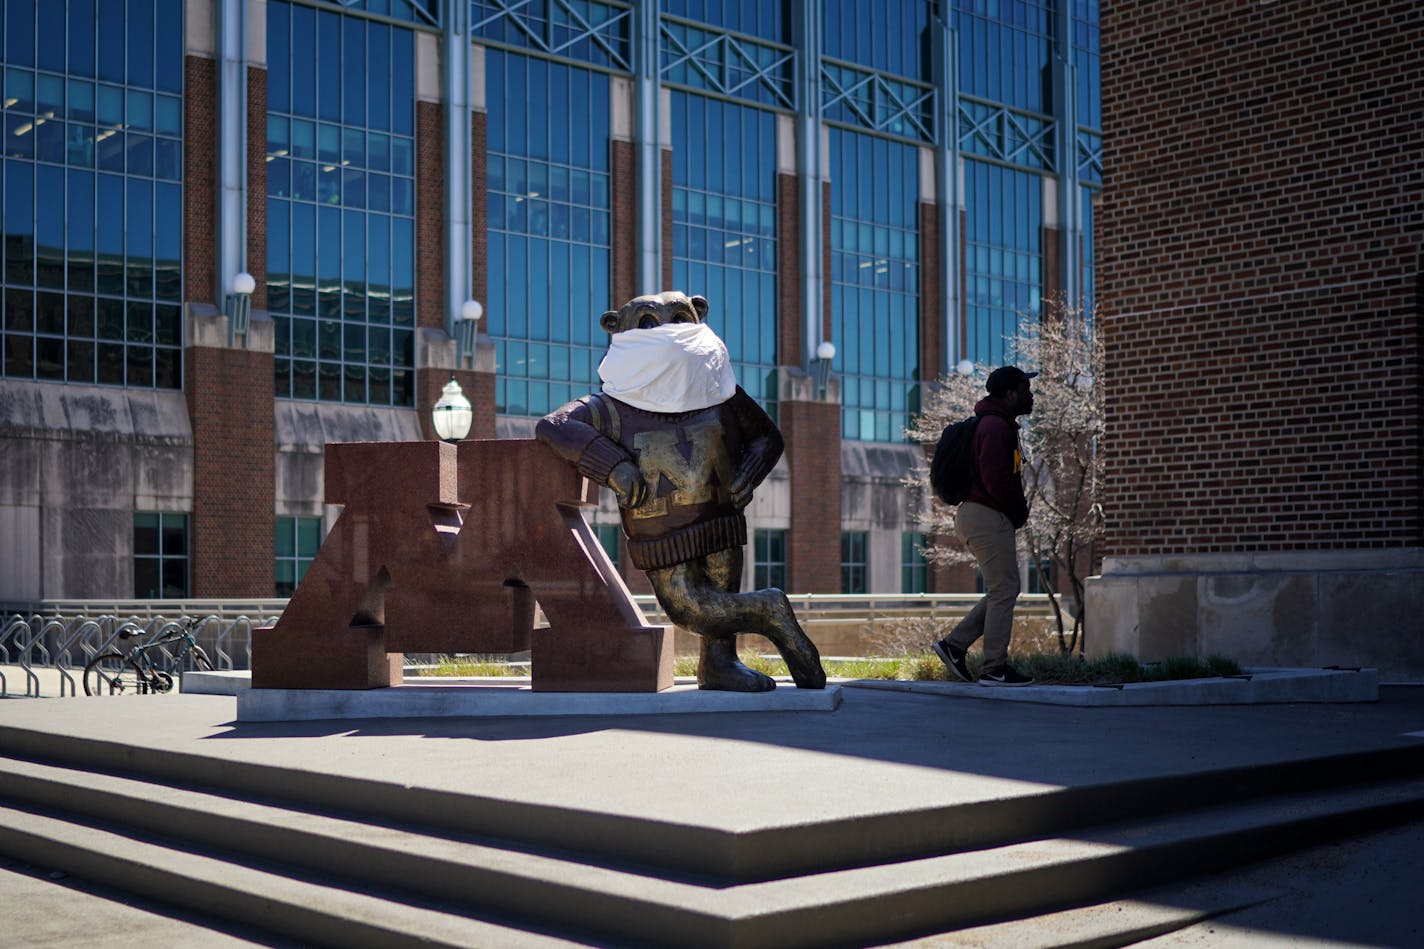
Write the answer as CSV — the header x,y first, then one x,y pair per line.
x,y
724,228
1003,257
412,11
887,35
854,562
1088,60
764,19
341,205
92,169
875,283
610,538
297,539
590,31
160,547
1005,50
914,571
549,210
769,559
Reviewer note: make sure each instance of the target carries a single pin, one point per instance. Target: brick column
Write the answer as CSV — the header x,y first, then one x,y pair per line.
x,y
256,183
229,394
200,176
667,226
623,253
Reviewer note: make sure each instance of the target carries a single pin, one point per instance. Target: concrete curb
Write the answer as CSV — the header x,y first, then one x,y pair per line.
x,y
467,698
1255,687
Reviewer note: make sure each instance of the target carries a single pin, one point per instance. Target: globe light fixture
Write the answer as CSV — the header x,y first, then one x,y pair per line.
x,y
469,330
825,352
238,306
964,367
452,415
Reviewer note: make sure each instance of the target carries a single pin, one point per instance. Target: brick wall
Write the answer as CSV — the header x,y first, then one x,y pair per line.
x,y
624,252
229,394
790,331
813,455
200,178
430,216
931,331
1259,250
257,184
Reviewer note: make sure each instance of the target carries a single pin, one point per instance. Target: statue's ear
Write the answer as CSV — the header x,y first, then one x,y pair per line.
x,y
609,322
699,304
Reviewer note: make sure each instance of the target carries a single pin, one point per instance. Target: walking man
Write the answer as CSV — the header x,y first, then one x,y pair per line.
x,y
986,523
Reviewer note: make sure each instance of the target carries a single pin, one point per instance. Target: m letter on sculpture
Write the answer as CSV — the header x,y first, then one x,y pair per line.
x,y
445,549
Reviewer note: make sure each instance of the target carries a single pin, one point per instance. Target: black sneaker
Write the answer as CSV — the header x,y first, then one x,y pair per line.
x,y
952,656
1005,676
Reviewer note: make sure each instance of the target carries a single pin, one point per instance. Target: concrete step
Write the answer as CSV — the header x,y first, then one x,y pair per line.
x,y
348,879
749,855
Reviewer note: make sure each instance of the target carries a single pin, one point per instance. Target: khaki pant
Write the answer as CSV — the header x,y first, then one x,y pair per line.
x,y
990,538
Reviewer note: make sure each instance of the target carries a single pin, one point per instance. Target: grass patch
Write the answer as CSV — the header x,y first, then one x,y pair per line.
x,y
1048,668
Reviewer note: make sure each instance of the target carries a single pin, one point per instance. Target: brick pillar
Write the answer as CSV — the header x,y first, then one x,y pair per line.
x,y
932,364
790,334
624,197
229,394
256,183
200,176
667,226
812,430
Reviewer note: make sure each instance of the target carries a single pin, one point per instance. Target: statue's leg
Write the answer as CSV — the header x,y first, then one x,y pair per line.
x,y
701,596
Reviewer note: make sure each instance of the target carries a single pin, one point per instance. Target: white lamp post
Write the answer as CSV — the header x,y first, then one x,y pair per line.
x,y
452,415
469,331
964,368
239,307
825,352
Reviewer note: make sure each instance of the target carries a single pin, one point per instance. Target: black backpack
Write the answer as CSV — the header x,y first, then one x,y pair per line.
x,y
952,469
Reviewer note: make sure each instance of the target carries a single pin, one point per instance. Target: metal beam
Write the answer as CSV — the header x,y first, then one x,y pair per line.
x,y
455,79
649,166
1065,102
232,144
945,49
806,37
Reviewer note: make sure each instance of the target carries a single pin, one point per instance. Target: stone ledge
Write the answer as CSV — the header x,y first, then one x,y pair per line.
x,y
485,697
1259,686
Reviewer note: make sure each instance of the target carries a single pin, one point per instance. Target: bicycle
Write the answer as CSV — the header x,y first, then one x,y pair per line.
x,y
138,673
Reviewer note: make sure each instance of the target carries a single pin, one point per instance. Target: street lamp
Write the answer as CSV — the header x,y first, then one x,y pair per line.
x,y
239,307
965,368
469,330
825,352
453,414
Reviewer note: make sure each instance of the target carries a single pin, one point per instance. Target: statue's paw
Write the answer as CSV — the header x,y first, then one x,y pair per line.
x,y
806,671
734,677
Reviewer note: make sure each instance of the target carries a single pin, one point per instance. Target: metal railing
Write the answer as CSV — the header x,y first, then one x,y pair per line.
x,y
45,646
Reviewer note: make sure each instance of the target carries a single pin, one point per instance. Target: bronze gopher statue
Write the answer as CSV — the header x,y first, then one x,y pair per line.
x,y
682,446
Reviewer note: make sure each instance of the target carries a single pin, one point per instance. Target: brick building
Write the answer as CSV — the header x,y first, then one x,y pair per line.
x,y
903,179
1261,297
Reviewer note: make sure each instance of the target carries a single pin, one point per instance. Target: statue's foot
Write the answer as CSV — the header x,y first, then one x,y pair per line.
x,y
803,659
732,677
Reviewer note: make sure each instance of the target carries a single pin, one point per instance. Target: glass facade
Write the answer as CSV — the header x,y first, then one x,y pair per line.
x,y
160,565
1003,281
341,205
914,571
92,194
855,562
296,541
724,228
875,283
769,559
549,216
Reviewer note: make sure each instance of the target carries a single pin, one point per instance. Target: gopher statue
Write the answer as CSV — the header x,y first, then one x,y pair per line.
x,y
682,446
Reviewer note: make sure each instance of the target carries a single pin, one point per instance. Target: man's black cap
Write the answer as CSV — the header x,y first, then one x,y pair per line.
x,y
1006,379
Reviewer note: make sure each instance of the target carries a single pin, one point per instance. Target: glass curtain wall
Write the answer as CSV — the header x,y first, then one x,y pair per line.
x,y
92,193
341,204
870,47
724,228
875,283
1005,79
549,218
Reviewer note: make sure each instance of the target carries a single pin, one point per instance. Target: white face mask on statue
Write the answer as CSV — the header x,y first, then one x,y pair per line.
x,y
676,367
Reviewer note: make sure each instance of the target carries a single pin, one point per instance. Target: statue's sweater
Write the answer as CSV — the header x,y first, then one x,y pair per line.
x,y
688,460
